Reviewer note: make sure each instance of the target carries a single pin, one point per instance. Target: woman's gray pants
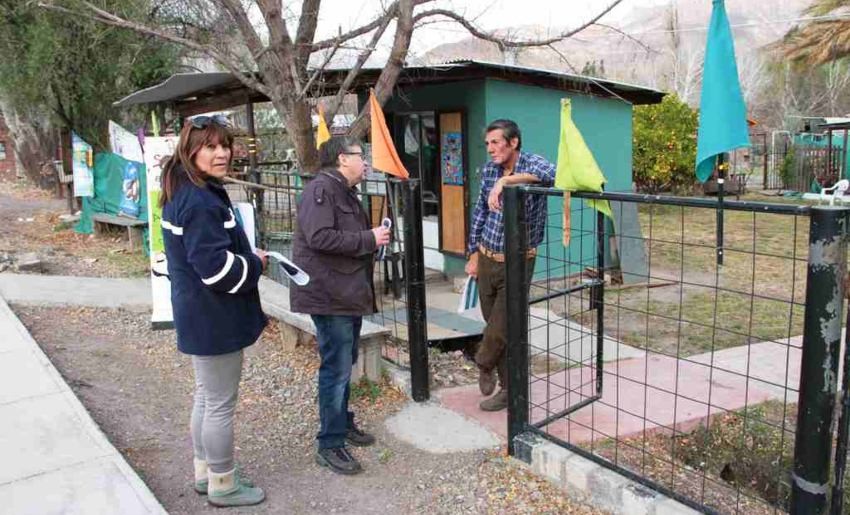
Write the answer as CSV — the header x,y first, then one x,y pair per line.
x,y
216,390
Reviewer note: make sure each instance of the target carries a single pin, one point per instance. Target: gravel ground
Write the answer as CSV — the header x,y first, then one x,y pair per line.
x,y
138,389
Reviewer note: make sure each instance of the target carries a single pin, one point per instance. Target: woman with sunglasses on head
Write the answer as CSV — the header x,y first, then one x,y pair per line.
x,y
214,275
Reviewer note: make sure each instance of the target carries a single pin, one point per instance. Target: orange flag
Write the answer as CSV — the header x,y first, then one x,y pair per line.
x,y
384,156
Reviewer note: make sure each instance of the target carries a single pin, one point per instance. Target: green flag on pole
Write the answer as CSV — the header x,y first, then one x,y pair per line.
x,y
722,113
577,169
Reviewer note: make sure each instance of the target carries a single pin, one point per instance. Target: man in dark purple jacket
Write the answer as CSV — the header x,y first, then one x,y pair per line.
x,y
335,245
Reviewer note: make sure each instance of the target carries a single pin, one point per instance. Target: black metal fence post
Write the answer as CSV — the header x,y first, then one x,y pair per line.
x,y
599,299
414,275
819,366
516,248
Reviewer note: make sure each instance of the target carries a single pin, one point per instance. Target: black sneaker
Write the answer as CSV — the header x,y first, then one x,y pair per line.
x,y
358,438
338,460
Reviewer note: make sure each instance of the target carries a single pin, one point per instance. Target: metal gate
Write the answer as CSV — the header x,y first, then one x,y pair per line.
x,y
720,391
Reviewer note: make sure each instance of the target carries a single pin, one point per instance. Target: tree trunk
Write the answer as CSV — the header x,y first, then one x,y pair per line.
x,y
299,124
293,111
34,144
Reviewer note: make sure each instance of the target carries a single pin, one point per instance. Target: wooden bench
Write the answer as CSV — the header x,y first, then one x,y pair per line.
x,y
297,328
135,227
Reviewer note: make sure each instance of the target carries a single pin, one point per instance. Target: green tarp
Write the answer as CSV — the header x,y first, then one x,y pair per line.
x,y
109,191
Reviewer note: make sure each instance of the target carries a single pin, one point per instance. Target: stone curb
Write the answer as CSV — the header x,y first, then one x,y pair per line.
x,y
591,483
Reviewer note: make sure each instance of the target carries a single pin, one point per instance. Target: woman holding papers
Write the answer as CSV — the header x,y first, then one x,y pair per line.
x,y
214,275
335,245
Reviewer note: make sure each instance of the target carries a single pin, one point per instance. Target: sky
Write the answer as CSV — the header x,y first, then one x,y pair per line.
x,y
487,14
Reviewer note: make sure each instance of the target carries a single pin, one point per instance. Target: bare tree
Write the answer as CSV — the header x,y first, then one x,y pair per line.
x,y
273,57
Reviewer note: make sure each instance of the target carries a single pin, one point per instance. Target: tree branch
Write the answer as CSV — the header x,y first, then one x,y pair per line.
x,y
629,37
355,70
228,62
307,32
390,13
318,71
252,39
392,69
573,68
504,43
272,14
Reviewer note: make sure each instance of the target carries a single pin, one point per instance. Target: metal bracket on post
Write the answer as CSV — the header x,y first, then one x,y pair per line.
x,y
516,249
827,268
841,444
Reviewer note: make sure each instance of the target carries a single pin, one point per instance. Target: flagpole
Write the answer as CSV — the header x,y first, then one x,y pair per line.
x,y
722,164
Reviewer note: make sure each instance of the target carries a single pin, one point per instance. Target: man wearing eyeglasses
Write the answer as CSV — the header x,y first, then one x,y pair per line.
x,y
335,245
486,247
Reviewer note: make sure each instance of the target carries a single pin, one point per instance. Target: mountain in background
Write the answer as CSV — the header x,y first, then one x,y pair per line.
x,y
660,46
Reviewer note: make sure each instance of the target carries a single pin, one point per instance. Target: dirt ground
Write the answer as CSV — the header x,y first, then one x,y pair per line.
x,y
31,224
138,389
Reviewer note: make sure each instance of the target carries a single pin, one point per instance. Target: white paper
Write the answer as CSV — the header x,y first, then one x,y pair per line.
x,y
246,214
468,303
289,268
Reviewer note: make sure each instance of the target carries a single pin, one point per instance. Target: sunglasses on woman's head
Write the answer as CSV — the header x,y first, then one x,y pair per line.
x,y
202,122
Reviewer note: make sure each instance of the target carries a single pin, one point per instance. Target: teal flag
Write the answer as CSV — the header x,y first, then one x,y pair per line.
x,y
722,113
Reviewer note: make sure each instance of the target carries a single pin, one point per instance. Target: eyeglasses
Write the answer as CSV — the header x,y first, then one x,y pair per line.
x,y
353,154
202,122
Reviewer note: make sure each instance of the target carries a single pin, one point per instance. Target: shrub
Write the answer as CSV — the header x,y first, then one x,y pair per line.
x,y
664,145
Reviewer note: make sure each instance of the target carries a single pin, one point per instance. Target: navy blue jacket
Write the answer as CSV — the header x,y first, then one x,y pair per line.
x,y
213,272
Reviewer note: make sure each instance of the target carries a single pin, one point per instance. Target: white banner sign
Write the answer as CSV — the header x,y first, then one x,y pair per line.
x,y
125,143
156,150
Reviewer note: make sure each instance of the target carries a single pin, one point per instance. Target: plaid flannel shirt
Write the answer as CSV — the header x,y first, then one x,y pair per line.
x,y
487,227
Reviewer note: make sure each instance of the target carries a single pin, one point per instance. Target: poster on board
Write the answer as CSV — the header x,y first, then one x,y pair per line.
x,y
125,143
451,158
82,162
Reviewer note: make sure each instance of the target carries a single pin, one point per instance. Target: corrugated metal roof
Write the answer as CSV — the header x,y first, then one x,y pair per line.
x,y
184,86
552,73
177,86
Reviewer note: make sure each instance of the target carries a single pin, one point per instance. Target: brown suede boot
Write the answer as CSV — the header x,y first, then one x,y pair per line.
x,y
486,381
497,402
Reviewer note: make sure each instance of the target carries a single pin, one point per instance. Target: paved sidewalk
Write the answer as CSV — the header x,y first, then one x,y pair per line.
x,y
57,290
650,392
55,458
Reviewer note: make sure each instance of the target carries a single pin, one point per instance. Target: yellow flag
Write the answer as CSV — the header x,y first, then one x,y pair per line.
x,y
577,169
384,156
322,133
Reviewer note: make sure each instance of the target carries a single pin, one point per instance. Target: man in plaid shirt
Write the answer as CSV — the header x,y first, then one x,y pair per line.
x,y
486,247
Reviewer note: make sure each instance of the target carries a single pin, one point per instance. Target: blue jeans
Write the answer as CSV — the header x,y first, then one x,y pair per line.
x,y
338,337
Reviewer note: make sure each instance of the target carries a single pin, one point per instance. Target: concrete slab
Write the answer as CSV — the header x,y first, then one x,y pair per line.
x,y
55,458
23,377
11,338
572,343
765,364
653,392
43,434
465,399
99,486
53,290
435,429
